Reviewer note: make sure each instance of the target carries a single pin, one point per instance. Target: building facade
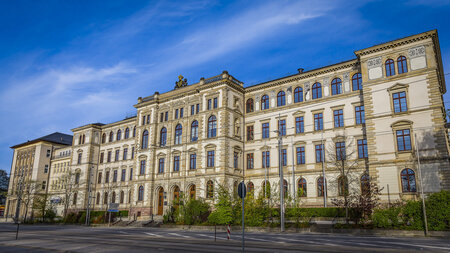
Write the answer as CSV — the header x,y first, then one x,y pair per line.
x,y
377,112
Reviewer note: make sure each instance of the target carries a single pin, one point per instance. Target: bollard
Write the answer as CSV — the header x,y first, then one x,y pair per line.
x,y
228,232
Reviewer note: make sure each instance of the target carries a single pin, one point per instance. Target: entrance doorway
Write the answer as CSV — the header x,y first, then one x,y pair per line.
x,y
160,201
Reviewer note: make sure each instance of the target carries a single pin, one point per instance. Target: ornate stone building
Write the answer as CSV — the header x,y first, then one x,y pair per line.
x,y
374,112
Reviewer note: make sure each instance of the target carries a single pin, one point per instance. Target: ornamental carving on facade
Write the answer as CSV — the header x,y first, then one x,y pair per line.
x,y
180,83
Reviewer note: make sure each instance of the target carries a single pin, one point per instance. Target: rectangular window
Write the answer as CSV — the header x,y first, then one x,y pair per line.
x,y
161,119
143,120
181,112
299,125
215,103
161,165
107,177
79,158
265,130
142,168
209,104
131,174
44,185
266,159
338,118
46,168
340,151
176,113
282,127
359,115
249,133
210,160
48,152
125,153
115,176
362,148
197,109
193,162
192,109
176,163
250,161
300,155
124,175
284,157
399,101
116,157
166,116
102,156
319,153
148,119
99,178
403,140
109,156
236,160
318,121
132,153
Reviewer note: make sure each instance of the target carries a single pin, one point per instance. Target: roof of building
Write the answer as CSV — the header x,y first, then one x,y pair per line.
x,y
56,137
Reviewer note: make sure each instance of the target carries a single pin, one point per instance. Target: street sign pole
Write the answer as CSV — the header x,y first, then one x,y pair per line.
x,y
242,192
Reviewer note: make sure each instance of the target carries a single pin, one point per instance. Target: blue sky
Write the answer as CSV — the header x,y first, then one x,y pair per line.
x,y
64,64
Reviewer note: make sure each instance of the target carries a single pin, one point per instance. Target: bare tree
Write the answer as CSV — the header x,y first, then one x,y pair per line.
x,y
26,196
71,184
342,158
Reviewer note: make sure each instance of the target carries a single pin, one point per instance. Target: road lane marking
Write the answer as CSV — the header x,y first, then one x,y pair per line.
x,y
152,234
175,234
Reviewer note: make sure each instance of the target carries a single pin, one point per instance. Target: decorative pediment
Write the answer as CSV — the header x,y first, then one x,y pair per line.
x,y
299,113
398,86
210,146
402,123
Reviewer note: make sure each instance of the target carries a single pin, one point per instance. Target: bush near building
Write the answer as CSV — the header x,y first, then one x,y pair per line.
x,y
409,215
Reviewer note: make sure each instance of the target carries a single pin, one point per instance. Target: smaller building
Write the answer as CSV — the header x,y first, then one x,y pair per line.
x,y
30,172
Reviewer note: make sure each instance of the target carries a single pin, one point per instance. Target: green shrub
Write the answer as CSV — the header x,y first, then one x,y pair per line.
x,y
438,211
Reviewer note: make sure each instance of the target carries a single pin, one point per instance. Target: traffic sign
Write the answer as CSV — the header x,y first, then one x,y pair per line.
x,y
242,190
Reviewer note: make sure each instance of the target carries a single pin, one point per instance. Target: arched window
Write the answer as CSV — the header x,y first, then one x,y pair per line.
x,y
178,133
122,197
134,131
266,189
212,126
365,184
97,201
119,134
127,133
281,98
111,136
163,137
250,188
408,180
264,102
249,105
144,139
298,95
210,189
113,197
105,198
357,82
320,187
316,91
141,193
401,65
343,186
336,86
194,131
103,138
192,192
302,187
390,69
285,188
75,196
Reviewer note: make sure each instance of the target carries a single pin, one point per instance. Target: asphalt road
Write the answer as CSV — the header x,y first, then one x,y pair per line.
x,y
55,238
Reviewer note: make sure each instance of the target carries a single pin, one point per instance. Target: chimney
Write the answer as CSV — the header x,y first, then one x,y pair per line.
x,y
300,70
